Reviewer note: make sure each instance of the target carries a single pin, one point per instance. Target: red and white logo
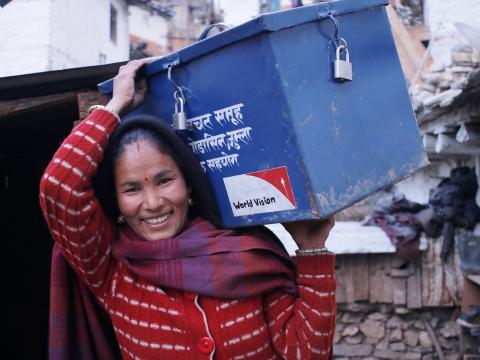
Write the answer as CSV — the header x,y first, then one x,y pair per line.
x,y
260,192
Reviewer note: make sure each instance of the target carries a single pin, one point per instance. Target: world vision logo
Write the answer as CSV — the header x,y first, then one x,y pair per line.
x,y
260,192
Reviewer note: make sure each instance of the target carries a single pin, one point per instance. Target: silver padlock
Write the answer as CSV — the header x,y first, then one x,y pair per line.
x,y
179,117
343,68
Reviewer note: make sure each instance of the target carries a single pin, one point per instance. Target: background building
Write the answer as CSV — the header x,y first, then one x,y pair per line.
x,y
43,35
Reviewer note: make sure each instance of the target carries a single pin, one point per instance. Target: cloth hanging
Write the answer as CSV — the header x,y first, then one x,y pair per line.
x,y
397,218
454,201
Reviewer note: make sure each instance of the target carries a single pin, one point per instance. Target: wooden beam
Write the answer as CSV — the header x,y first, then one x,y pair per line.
x,y
466,113
429,142
448,144
420,32
20,106
441,129
410,50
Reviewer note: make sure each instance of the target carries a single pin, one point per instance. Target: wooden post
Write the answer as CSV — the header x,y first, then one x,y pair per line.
x,y
414,290
27,105
380,290
410,50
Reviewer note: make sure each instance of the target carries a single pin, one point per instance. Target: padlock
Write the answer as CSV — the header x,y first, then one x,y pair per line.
x,y
343,68
179,117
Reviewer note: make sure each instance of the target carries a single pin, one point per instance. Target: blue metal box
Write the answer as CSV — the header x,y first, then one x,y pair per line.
x,y
279,138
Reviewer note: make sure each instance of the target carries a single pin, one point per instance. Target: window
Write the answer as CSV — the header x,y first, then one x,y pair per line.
x,y
113,24
102,58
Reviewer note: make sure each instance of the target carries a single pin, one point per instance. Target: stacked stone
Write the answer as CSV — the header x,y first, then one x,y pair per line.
x,y
368,331
411,12
441,85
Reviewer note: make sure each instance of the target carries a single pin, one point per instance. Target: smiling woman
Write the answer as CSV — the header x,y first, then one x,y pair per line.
x,y
151,192
132,213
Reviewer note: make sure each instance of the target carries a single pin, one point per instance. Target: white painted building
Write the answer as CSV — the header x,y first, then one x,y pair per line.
x,y
237,12
150,27
43,35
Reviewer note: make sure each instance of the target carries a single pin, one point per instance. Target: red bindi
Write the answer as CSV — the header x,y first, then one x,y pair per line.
x,y
138,146
146,179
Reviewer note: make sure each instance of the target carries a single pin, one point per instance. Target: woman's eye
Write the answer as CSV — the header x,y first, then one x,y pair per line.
x,y
132,189
164,181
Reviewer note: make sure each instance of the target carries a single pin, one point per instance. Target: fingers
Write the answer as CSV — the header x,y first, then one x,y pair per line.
x,y
137,64
310,233
132,67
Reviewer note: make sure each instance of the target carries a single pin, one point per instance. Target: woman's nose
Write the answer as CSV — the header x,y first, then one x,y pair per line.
x,y
152,200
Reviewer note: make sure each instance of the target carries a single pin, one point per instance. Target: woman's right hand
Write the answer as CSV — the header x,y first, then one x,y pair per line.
x,y
128,93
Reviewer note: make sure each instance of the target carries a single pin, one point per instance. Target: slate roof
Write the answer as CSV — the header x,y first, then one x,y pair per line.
x,y
158,7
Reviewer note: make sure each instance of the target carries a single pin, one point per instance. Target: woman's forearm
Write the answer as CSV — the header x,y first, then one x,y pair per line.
x,y
73,213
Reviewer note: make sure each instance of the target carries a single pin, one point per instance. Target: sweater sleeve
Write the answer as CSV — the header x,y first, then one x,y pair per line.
x,y
303,325
74,216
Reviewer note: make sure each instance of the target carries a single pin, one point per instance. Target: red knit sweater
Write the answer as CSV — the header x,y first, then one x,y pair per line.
x,y
161,323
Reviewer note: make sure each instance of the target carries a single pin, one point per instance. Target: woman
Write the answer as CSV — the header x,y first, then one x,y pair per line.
x,y
173,285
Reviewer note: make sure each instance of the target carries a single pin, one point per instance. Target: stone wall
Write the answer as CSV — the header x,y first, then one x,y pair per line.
x,y
377,331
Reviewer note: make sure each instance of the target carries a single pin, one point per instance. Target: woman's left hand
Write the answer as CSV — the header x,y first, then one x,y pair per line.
x,y
310,234
128,93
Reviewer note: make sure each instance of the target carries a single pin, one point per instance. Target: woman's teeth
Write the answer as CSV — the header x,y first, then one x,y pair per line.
x,y
155,221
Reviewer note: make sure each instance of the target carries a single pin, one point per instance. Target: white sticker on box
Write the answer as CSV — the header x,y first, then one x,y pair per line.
x,y
260,192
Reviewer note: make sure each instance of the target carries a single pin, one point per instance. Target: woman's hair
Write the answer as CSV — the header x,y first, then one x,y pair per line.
x,y
161,135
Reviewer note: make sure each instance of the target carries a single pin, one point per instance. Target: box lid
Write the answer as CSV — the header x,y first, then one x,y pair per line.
x,y
269,22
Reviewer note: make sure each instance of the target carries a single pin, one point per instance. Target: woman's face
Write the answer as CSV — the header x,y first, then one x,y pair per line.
x,y
151,191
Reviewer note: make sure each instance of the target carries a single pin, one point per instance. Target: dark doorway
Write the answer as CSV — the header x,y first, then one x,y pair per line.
x,y
27,143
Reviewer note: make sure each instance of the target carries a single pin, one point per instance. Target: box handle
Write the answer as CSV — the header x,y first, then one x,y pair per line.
x,y
221,25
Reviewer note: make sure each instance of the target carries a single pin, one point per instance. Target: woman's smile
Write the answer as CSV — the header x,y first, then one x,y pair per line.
x,y
158,220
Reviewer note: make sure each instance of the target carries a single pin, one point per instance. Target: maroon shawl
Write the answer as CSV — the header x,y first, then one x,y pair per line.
x,y
207,261
202,259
